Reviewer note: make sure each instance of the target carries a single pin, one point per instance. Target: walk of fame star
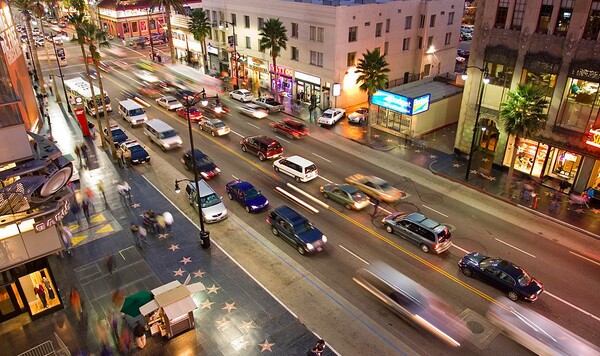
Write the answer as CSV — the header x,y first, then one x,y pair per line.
x,y
174,247
179,272
248,325
229,307
199,274
213,289
136,205
207,304
186,260
266,346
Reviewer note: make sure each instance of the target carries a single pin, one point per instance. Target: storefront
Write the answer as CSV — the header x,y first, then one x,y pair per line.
x,y
213,58
127,20
258,74
306,86
283,82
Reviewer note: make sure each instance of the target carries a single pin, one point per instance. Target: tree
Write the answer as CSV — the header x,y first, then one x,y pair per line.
x,y
177,5
522,114
273,36
200,27
26,7
372,69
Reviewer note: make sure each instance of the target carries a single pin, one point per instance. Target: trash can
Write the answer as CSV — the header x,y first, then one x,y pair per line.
x,y
205,239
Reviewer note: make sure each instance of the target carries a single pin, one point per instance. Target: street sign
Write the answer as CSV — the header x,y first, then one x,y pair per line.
x,y
62,56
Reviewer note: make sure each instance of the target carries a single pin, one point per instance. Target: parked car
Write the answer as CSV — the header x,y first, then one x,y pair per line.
x,y
376,187
118,135
359,116
140,41
460,59
39,42
23,38
247,195
205,166
290,128
58,40
422,231
502,275
263,147
331,116
347,195
253,110
213,209
169,102
195,113
242,95
138,153
159,39
270,104
296,230
215,127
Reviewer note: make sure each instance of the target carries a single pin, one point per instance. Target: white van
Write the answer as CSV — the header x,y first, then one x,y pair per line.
x,y
162,134
213,209
301,169
132,112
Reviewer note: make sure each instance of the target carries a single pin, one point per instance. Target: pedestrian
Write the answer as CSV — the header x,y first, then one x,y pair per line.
x,y
120,157
554,204
168,220
78,154
161,224
100,187
85,206
76,210
118,297
143,234
102,332
92,129
127,157
135,231
76,303
110,262
66,236
125,343
50,83
563,185
318,349
89,193
375,206
84,154
124,190
140,335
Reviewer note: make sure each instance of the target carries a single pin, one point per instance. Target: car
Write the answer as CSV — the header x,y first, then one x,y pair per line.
x,y
24,38
195,114
331,116
140,41
460,59
118,135
262,146
185,94
158,39
359,116
169,102
503,275
93,73
253,110
205,166
290,128
58,40
215,107
35,31
296,230
54,22
146,76
422,231
47,36
105,67
270,104
121,64
40,42
149,90
213,209
242,95
299,168
216,127
466,36
138,153
62,24
376,187
463,53
247,195
347,195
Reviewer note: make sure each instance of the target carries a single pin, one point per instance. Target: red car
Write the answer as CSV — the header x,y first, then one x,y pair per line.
x,y
195,114
290,128
149,91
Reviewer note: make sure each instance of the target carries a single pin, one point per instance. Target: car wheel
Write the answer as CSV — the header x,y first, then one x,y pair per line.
x,y
389,229
276,168
230,95
325,195
512,295
248,210
297,179
244,148
348,206
261,157
229,196
467,272
163,148
301,250
424,248
274,231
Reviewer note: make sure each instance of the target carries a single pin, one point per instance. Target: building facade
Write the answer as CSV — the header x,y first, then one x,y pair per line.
x,y
325,41
553,44
130,19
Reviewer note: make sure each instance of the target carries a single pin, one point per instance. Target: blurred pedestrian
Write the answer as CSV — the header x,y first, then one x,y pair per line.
x,y
125,343
160,223
76,303
554,204
143,234
120,157
375,206
140,335
85,205
67,236
102,331
78,154
318,349
100,187
110,262
89,193
50,83
84,154
135,231
92,129
76,210
127,158
124,190
168,220
118,297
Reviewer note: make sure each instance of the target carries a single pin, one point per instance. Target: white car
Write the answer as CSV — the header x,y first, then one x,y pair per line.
x,y
331,116
58,40
242,95
253,110
169,102
460,59
146,76
359,116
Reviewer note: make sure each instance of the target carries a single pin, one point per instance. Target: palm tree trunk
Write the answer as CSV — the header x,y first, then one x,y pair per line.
x,y
511,169
274,89
34,55
111,142
204,56
168,14
87,71
368,138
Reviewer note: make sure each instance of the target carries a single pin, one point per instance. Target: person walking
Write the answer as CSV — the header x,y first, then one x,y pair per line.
x,y
100,187
66,236
118,298
318,349
78,154
135,231
127,157
85,205
554,204
110,262
76,303
120,157
102,332
140,335
143,234
124,339
76,210
92,129
160,224
84,154
375,206
50,83
168,220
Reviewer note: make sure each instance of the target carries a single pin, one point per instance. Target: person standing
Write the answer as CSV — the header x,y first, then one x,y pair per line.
x,y
140,335
120,157
85,205
143,234
41,293
127,157
318,349
110,263
168,220
375,206
100,187
48,288
84,154
135,231
76,303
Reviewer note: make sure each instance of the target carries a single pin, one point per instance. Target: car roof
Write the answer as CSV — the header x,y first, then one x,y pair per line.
x,y
290,214
350,189
197,153
245,91
509,268
299,160
169,97
243,185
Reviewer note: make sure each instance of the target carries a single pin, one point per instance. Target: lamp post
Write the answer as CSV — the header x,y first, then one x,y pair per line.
x,y
62,78
235,54
150,33
190,101
484,80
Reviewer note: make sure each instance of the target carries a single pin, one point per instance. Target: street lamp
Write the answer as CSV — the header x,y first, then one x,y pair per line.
x,y
484,80
235,54
190,101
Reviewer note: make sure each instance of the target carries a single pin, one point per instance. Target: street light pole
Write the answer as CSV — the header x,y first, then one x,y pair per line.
x,y
62,78
235,54
484,80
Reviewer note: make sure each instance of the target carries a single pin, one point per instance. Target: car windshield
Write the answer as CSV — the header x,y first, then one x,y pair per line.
x,y
488,262
203,161
136,148
172,101
117,132
251,193
385,186
138,111
167,134
209,200
524,279
303,227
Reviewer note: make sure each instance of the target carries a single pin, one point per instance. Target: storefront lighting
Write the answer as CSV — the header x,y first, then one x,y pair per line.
x,y
16,229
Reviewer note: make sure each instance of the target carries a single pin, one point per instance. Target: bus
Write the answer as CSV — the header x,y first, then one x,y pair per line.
x,y
80,88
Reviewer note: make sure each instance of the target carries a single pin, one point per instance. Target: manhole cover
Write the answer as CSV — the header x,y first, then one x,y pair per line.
x,y
475,327
431,198
481,331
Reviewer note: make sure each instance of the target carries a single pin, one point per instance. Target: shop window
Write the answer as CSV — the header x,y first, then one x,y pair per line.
x,y
450,18
518,13
386,47
246,21
544,80
294,30
499,74
134,27
564,17
420,42
378,29
125,27
406,44
351,59
592,27
261,22
579,104
40,291
531,156
432,21
152,24
501,14
565,164
352,33
545,14
408,22
489,137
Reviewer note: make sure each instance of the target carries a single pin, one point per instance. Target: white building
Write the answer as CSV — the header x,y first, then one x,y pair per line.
x,y
325,41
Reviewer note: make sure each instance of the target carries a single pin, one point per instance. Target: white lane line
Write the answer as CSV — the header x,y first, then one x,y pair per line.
x,y
516,248
460,248
295,199
253,125
321,157
282,139
380,208
242,136
125,75
585,258
442,214
355,255
325,179
308,195
572,306
234,177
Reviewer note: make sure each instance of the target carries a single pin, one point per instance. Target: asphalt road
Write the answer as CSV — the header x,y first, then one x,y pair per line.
x,y
355,238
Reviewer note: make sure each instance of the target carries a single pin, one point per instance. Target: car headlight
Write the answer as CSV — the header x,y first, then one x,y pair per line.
x,y
266,203
324,238
253,207
310,247
166,145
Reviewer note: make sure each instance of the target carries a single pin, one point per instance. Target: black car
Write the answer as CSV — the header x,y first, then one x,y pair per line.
x,y
118,135
138,153
205,166
185,94
296,230
503,275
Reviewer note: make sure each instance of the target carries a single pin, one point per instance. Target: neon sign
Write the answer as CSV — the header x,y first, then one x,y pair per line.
x,y
594,138
401,104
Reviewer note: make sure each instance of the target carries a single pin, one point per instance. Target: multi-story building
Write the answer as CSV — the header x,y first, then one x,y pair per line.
x,y
129,19
553,44
325,41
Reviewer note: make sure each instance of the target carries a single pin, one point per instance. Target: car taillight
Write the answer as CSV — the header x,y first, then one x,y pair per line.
x,y
269,220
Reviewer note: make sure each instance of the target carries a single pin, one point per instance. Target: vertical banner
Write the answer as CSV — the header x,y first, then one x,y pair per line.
x,y
80,113
62,57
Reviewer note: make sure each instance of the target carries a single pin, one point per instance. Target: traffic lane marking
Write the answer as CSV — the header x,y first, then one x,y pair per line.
x,y
282,139
242,136
515,247
355,255
585,258
296,200
435,211
325,179
321,157
256,127
573,306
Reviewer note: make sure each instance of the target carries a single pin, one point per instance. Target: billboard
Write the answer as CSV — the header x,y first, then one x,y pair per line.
x,y
400,103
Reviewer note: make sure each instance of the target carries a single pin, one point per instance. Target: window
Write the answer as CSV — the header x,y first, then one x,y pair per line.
x,y
432,21
248,42
450,18
351,58
420,42
422,22
295,54
518,13
214,16
316,33
564,17
259,49
501,13
499,74
352,33
429,41
316,58
545,14
406,44
386,46
320,34
448,38
294,30
378,29
367,24
592,27
234,19
134,26
313,33
387,25
246,21
261,22
408,22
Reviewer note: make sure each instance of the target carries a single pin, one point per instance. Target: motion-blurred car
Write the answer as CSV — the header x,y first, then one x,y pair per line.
x,y
290,128
149,90
376,187
359,116
296,230
422,231
57,39
217,108
247,195
185,94
331,116
140,41
146,76
253,110
138,153
270,104
94,74
205,166
263,147
118,135
121,64
502,275
105,66
195,114
242,95
62,24
169,102
347,195
215,127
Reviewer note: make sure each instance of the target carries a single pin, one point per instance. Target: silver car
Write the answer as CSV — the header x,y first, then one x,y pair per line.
x,y
253,110
428,234
169,102
213,209
215,127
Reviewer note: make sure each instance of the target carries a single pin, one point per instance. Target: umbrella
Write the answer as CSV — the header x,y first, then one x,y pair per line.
x,y
132,304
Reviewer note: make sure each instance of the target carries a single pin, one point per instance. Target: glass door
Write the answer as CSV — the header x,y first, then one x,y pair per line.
x,y
11,303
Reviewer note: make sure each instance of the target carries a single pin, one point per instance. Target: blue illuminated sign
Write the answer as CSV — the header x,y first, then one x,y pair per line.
x,y
401,104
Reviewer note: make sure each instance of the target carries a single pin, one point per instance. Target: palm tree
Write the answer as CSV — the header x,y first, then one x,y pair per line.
x,y
26,8
200,27
372,69
273,36
167,4
523,115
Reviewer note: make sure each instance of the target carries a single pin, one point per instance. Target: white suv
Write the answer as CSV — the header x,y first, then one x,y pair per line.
x,y
242,95
331,116
301,169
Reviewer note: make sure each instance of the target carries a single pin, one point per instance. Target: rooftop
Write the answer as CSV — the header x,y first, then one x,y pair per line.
x,y
438,90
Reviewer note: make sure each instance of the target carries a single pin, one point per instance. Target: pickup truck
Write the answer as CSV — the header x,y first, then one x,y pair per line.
x,y
270,104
